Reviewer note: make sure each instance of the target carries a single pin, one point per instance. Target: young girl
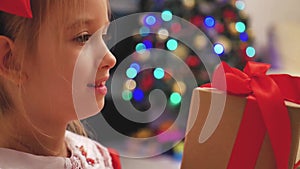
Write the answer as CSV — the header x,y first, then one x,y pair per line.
x,y
38,55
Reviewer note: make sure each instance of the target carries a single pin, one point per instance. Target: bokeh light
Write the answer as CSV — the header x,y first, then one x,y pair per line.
x,y
172,44
127,95
232,28
209,21
192,61
200,42
163,34
219,49
148,44
130,84
240,5
166,15
182,51
150,20
138,95
250,51
136,66
131,73
159,73
144,31
179,87
189,3
175,98
244,37
140,48
176,27
240,27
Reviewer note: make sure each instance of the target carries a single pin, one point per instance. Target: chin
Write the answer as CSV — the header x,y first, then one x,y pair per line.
x,y
100,104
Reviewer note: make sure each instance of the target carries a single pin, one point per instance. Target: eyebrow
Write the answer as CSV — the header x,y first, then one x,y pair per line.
x,y
83,22
78,23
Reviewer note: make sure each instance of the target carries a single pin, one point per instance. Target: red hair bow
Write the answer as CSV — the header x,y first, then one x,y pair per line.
x,y
16,7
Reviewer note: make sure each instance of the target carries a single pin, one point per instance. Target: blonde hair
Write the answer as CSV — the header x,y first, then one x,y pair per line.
x,y
24,32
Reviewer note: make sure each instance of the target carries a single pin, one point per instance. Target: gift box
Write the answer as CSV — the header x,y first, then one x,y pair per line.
x,y
252,122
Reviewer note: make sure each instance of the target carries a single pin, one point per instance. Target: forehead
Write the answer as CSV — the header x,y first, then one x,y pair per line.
x,y
72,13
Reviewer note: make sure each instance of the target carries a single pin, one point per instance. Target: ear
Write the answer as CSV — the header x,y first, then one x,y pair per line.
x,y
7,70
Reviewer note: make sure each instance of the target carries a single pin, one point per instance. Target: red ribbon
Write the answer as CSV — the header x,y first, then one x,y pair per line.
x,y
297,165
115,158
16,7
265,111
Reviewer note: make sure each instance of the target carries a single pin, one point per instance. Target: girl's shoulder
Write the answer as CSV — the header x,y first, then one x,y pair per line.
x,y
85,154
13,159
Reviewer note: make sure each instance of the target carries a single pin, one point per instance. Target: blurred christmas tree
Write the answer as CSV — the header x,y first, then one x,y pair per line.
x,y
223,22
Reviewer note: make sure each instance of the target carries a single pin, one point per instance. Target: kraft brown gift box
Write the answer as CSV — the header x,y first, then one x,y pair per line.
x,y
215,152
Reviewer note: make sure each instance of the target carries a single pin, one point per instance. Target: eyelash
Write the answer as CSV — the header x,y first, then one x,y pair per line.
x,y
82,38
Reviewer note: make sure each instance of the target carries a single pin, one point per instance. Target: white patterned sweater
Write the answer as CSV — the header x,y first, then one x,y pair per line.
x,y
86,154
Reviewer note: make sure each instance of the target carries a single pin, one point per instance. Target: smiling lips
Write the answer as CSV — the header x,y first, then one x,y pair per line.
x,y
99,86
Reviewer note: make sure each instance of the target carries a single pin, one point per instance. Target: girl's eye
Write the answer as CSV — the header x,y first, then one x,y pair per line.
x,y
83,38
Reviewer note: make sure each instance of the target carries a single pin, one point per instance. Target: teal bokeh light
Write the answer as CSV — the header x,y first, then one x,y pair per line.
x,y
166,15
127,95
250,51
175,98
131,72
240,5
240,27
172,44
140,48
159,73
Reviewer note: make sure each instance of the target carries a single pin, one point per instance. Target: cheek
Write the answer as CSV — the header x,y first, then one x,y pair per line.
x,y
62,72
50,83
58,68
64,60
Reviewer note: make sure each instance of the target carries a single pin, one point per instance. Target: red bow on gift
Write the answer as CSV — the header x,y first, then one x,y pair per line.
x,y
16,7
265,111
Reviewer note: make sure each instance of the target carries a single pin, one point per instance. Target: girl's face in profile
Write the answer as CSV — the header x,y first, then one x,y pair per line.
x,y
48,90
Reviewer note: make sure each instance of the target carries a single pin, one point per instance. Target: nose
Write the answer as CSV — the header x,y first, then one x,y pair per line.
x,y
108,62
